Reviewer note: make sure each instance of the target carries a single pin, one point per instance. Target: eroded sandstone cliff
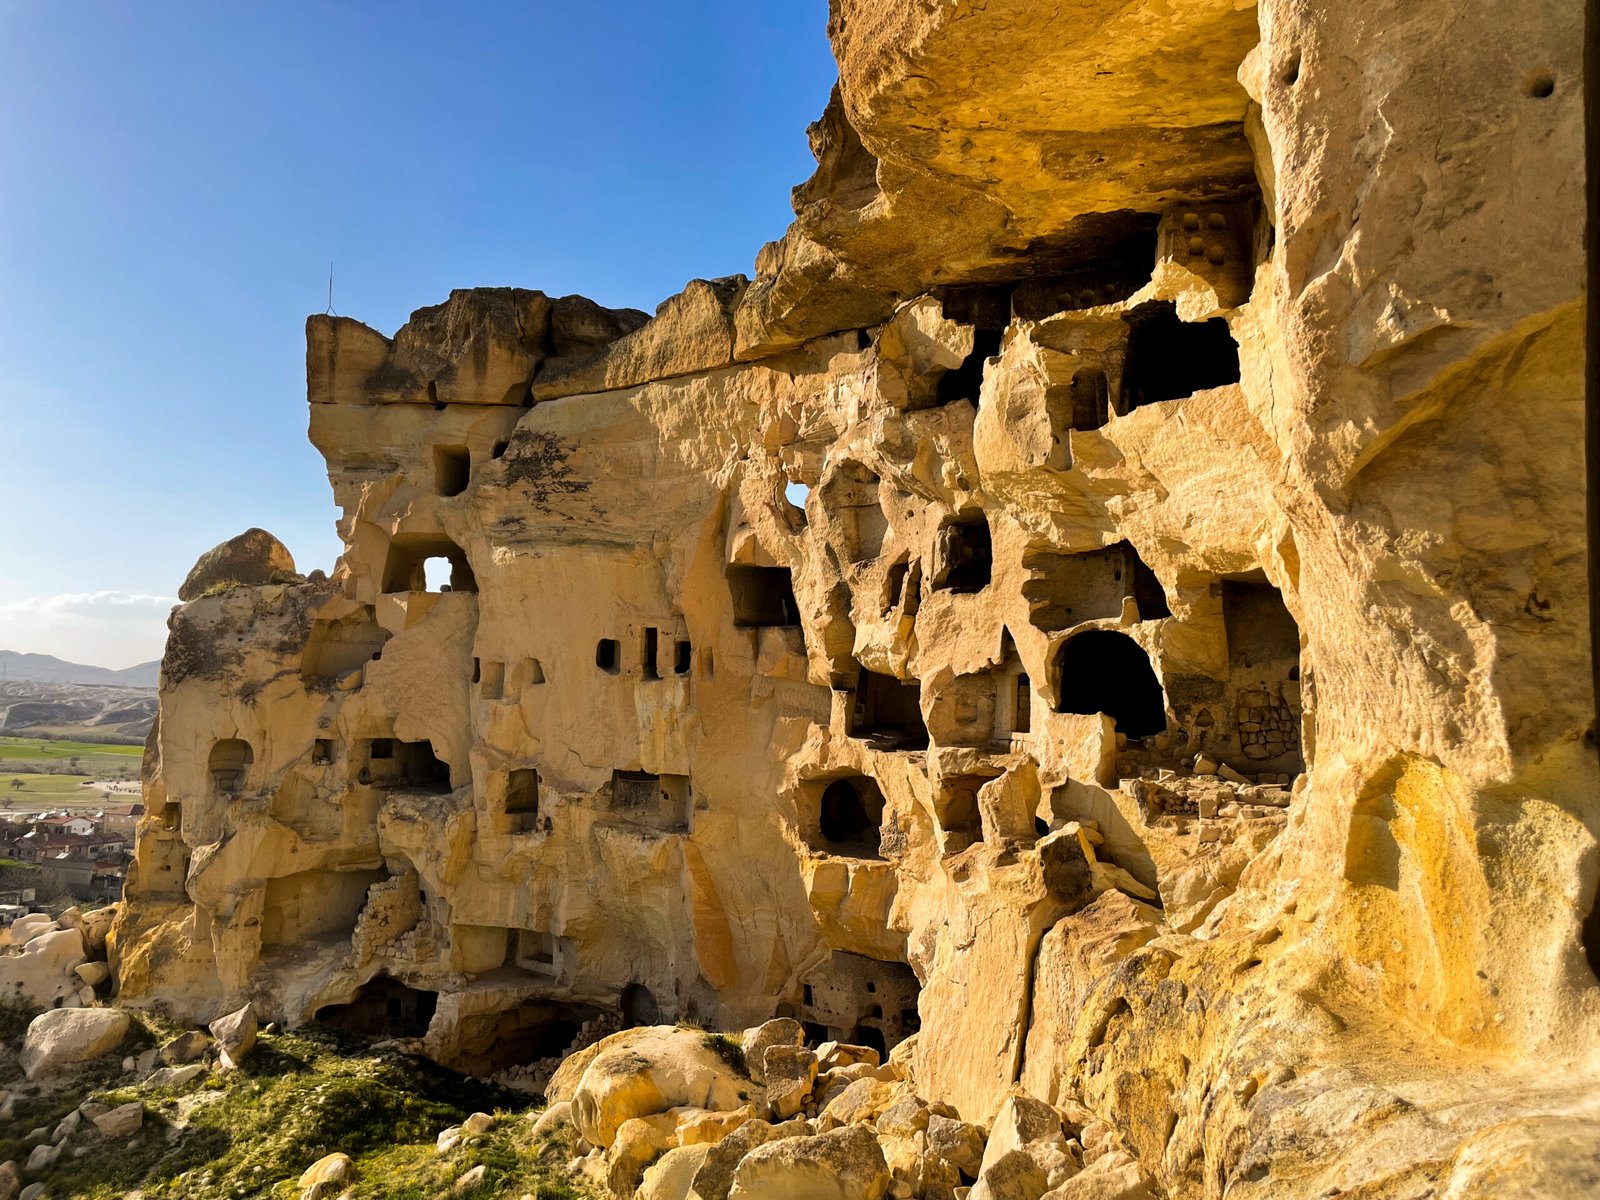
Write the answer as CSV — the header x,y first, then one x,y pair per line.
x,y
1106,598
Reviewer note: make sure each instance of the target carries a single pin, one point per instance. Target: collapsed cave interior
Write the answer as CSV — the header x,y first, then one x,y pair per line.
x,y
859,1000
382,1007
1168,359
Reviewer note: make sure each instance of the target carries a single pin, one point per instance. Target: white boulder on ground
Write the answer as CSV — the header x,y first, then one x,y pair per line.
x,y
43,975
121,1120
65,1037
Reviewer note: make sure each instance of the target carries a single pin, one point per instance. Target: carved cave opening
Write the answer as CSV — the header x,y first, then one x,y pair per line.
x,y
638,1006
1168,359
383,1007
335,648
522,800
888,711
1063,590
956,807
964,552
1102,671
762,596
452,469
1263,674
849,817
656,801
966,381
413,766
407,567
228,764
530,1032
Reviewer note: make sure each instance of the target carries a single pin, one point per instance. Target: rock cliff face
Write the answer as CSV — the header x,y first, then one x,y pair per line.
x,y
1107,599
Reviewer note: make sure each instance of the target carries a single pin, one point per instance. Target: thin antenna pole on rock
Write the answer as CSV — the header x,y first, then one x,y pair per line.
x,y
329,310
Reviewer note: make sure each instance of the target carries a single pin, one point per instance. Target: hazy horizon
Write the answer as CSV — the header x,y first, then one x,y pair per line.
x,y
178,180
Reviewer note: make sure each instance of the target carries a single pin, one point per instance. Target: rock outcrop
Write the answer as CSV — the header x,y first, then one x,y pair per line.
x,y
1099,618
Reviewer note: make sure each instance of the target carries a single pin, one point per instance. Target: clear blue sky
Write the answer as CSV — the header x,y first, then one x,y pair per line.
x,y
175,177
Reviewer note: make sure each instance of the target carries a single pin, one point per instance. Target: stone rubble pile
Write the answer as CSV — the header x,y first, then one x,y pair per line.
x,y
51,962
672,1113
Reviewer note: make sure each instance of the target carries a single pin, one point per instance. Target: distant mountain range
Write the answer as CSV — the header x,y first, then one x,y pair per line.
x,y
46,668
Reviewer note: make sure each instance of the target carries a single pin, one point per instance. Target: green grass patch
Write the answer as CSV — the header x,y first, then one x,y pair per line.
x,y
45,749
297,1097
49,785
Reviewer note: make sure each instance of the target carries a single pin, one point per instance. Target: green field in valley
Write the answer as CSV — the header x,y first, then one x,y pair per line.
x,y
46,750
56,787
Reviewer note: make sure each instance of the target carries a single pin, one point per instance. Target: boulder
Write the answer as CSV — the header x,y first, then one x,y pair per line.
x,y
235,1034
471,1178
672,1175
92,973
10,1181
173,1077
25,929
43,975
34,1191
862,1100
654,1069
783,1031
42,1157
1111,1177
832,1055
790,1072
1027,1152
66,1037
184,1048
252,558
714,1179
478,1124
846,1164
958,1143
322,1177
121,1120
696,1125
637,1144
559,1113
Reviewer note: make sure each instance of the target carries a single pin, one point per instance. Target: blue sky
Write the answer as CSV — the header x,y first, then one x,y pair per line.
x,y
176,176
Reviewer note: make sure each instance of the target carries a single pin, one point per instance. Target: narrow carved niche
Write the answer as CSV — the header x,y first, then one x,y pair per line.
x,y
1264,675
452,469
964,554
1063,590
522,800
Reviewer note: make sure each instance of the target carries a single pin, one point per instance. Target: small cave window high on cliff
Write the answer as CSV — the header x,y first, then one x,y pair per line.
x,y
1168,359
849,817
608,655
491,679
650,646
762,596
1102,671
682,657
1063,590
654,801
382,1007
335,648
452,469
412,766
888,711
965,554
960,820
407,570
966,381
229,763
522,800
